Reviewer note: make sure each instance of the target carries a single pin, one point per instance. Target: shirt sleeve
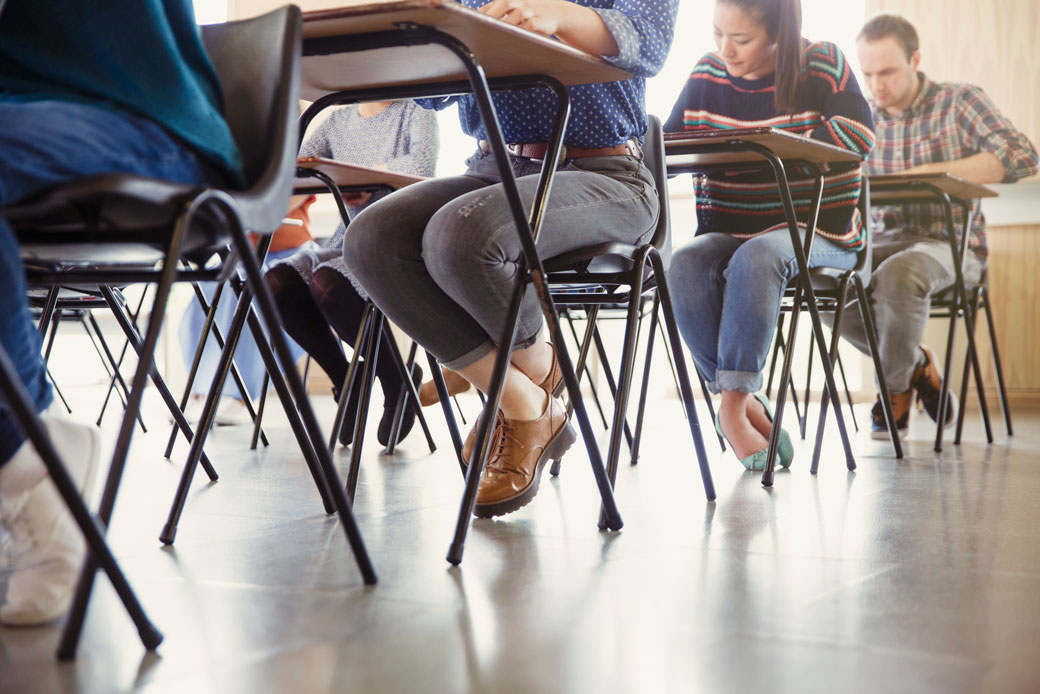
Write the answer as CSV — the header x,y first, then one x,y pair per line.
x,y
990,131
831,85
643,30
418,129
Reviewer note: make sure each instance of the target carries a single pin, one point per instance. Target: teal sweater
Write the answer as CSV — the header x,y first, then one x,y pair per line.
x,y
141,56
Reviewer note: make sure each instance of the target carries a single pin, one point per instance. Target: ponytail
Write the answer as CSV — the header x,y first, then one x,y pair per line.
x,y
782,20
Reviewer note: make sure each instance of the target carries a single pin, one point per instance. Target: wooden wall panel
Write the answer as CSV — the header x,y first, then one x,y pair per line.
x,y
991,44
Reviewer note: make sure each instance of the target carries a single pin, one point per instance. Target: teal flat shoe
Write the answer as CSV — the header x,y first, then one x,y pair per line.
x,y
784,447
757,460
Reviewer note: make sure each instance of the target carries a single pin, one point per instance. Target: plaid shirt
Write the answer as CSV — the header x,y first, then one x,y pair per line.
x,y
947,121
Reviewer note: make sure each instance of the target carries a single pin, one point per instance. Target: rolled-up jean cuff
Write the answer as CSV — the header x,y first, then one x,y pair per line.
x,y
744,381
470,357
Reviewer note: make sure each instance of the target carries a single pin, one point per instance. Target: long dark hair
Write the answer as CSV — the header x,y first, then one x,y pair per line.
x,y
782,20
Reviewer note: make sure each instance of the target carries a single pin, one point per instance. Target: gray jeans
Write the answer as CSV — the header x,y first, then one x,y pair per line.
x,y
440,258
902,286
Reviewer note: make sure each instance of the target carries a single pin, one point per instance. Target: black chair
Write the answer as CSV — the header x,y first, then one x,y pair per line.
x,y
945,305
831,287
118,227
621,270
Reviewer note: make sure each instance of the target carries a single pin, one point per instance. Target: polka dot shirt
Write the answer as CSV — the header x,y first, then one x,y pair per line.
x,y
602,115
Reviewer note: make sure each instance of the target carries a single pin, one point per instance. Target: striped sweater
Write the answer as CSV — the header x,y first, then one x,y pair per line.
x,y
833,110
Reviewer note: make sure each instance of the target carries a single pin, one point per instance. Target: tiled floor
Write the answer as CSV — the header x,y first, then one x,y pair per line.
x,y
921,575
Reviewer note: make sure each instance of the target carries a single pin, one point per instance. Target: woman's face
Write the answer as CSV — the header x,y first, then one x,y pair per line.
x,y
743,43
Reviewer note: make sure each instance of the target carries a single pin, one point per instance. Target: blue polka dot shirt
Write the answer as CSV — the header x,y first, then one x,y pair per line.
x,y
602,115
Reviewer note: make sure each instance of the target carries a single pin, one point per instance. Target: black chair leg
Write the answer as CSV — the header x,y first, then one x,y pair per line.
x,y
260,412
848,394
611,383
997,366
408,394
160,385
843,290
668,318
645,385
866,316
327,472
119,363
347,387
116,376
368,376
78,610
449,415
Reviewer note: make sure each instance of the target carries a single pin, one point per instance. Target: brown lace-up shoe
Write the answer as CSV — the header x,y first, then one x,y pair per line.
x,y
510,478
553,384
901,412
928,384
452,381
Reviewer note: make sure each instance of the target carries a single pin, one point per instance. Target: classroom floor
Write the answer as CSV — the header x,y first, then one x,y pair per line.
x,y
920,575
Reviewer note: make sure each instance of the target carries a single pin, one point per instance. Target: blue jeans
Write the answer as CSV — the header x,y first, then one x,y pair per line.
x,y
727,293
45,143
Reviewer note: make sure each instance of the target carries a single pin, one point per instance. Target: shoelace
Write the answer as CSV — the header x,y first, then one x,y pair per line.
x,y
506,439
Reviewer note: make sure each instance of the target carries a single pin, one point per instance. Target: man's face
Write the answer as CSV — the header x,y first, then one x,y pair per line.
x,y
889,74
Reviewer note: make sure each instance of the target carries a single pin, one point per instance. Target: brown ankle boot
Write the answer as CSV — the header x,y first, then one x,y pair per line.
x,y
510,478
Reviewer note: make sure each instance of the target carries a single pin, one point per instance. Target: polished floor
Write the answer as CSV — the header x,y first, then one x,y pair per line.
x,y
921,575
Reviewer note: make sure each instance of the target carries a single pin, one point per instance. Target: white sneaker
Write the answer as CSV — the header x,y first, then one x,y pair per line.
x,y
46,546
231,412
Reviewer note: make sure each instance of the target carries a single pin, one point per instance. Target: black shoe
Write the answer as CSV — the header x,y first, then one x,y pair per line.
x,y
386,422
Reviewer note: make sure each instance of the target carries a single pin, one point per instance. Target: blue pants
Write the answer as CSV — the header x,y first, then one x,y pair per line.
x,y
727,293
45,143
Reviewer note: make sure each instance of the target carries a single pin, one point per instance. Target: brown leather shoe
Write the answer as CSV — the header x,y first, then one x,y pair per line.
x,y
553,384
452,381
510,478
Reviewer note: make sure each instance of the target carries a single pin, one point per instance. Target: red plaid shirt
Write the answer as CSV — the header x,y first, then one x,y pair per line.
x,y
947,121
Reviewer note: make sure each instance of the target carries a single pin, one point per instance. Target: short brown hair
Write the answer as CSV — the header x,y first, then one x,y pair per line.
x,y
883,25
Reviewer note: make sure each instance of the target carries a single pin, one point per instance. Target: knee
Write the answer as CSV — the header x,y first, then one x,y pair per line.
x,y
325,286
279,279
898,279
458,241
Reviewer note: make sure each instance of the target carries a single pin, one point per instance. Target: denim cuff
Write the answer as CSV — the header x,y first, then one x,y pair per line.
x,y
744,381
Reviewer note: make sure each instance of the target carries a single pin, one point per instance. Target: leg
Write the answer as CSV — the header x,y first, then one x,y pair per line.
x,y
40,149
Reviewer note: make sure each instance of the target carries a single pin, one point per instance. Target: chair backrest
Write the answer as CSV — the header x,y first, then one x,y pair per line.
x,y
865,258
654,159
258,64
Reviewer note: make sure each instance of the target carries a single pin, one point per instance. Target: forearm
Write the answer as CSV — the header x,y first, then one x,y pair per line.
x,y
573,24
984,167
583,29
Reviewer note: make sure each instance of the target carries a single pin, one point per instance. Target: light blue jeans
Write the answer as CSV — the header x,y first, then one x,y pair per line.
x,y
42,144
727,293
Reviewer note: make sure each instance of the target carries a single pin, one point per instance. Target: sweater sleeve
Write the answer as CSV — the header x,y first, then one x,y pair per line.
x,y
832,88
676,120
317,145
418,130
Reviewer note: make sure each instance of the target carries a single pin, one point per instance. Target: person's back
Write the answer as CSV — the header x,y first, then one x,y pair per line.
x,y
923,127
85,88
